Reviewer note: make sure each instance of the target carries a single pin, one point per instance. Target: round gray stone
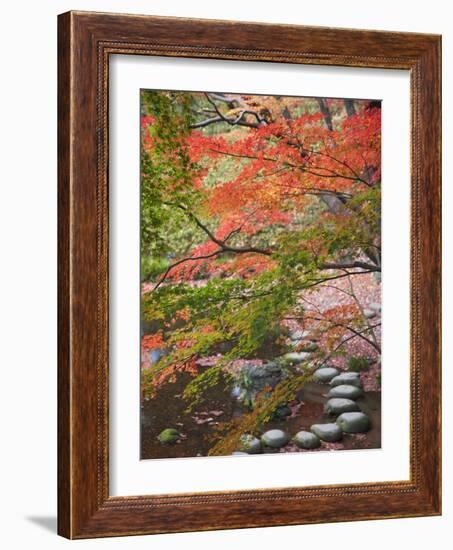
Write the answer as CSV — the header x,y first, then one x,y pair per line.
x,y
306,440
338,405
325,374
249,444
351,378
369,313
354,422
294,357
345,391
275,438
327,432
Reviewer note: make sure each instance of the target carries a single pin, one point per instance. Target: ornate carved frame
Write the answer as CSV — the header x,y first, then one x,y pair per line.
x,y
86,40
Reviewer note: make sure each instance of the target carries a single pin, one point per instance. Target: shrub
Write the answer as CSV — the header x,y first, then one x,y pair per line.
x,y
358,364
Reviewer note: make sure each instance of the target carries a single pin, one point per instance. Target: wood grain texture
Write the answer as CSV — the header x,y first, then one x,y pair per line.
x,y
85,42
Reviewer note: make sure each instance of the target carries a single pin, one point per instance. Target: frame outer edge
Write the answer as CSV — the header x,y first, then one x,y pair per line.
x,y
64,527
82,511
433,148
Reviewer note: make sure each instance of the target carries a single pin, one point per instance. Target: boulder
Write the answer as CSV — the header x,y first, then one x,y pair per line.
x,y
339,405
168,436
306,440
354,422
282,411
325,374
345,391
327,432
350,378
275,438
252,379
249,444
265,370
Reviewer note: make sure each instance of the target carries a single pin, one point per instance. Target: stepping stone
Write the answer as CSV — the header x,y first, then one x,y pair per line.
x,y
249,444
369,313
310,347
345,391
338,405
354,422
306,440
350,378
168,436
299,335
296,357
327,432
325,374
275,438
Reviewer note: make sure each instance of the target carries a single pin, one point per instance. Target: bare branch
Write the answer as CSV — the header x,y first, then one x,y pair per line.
x,y
351,265
239,120
221,243
188,259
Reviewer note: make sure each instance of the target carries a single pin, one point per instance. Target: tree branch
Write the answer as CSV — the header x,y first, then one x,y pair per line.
x,y
351,265
221,243
188,259
238,121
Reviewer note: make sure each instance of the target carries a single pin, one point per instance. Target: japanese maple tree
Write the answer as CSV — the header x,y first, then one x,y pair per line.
x,y
250,205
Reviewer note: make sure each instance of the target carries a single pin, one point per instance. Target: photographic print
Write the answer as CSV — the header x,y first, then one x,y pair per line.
x,y
260,274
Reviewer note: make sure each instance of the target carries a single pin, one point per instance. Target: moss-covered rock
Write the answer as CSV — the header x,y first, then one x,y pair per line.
x,y
169,436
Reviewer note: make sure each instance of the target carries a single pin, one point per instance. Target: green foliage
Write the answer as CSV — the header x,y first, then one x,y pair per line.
x,y
193,392
167,173
264,409
239,305
358,364
379,378
151,267
169,436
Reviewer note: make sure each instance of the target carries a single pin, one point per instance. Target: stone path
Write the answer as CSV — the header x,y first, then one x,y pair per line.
x,y
345,389
341,405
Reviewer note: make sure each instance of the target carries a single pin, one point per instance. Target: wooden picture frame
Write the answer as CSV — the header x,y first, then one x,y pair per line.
x,y
85,41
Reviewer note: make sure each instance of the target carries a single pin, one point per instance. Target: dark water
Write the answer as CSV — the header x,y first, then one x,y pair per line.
x,y
167,410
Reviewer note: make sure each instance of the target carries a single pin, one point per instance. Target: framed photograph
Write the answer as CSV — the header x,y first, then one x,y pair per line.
x,y
249,275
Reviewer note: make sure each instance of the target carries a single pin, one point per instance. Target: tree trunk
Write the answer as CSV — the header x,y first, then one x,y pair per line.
x,y
350,108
